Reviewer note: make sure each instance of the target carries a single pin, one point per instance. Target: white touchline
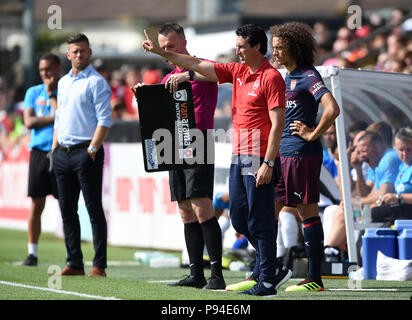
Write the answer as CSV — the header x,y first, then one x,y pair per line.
x,y
84,295
364,289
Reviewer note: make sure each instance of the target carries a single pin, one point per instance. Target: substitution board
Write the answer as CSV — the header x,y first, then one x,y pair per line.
x,y
167,121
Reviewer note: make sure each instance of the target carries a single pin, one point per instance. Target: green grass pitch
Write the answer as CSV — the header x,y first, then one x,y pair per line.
x,y
128,281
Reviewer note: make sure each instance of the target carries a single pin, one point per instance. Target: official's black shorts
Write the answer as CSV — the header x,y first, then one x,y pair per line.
x,y
196,182
192,183
42,182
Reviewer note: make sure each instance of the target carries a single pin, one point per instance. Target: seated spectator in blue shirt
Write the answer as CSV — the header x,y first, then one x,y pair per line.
x,y
329,147
398,205
383,165
387,169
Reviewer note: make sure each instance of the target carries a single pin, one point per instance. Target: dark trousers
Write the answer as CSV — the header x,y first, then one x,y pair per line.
x,y
76,171
388,214
252,212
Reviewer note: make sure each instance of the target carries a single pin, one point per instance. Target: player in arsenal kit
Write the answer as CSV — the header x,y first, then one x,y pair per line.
x,y
300,147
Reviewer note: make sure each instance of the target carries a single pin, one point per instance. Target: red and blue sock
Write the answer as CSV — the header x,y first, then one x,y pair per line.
x,y
313,238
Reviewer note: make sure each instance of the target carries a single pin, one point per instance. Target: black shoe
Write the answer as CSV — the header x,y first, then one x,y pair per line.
x,y
31,260
261,291
215,283
190,281
283,274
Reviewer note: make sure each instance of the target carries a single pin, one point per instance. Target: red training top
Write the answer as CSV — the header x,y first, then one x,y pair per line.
x,y
254,94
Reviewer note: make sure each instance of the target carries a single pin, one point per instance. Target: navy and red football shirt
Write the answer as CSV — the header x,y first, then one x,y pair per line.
x,y
304,89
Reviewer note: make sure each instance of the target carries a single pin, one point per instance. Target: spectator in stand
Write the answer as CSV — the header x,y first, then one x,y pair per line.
x,y
344,38
395,43
397,20
354,128
398,204
152,76
384,174
117,86
131,77
119,110
333,216
329,146
102,68
386,133
409,45
397,66
382,62
379,43
355,131
363,49
322,33
40,105
381,178
408,62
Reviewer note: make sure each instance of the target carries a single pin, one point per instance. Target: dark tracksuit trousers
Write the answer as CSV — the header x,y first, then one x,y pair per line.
x,y
252,211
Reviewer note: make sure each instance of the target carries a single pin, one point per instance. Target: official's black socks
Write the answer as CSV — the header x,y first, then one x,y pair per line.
x,y
194,244
212,236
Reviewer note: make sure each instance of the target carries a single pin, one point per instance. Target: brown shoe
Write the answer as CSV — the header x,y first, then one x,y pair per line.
x,y
97,272
68,271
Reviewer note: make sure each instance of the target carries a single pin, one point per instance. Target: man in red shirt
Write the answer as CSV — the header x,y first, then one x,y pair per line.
x,y
258,115
192,188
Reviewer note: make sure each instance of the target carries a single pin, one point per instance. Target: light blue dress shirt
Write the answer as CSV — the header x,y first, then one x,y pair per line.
x,y
83,104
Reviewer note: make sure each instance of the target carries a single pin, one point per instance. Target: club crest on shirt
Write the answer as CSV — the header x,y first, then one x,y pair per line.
x,y
256,85
292,84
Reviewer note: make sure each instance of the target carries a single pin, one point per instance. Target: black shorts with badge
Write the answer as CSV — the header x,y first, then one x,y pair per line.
x,y
196,182
192,183
42,181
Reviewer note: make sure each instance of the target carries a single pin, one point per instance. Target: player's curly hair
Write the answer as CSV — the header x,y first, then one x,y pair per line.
x,y
298,41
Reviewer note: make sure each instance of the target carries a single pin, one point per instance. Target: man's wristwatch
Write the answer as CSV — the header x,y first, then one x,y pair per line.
x,y
191,75
269,163
399,197
93,149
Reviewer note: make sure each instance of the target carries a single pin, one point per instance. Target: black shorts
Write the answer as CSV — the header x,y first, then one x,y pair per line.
x,y
192,183
42,182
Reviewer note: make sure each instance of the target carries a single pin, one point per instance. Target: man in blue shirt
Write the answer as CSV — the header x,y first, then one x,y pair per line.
x,y
384,164
83,120
40,105
329,147
398,204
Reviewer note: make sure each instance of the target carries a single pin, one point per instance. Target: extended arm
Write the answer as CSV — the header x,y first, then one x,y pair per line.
x,y
173,81
203,67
